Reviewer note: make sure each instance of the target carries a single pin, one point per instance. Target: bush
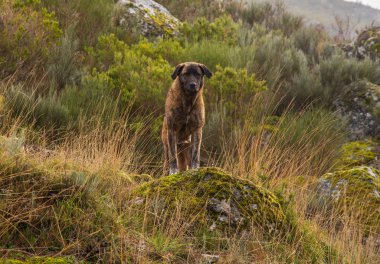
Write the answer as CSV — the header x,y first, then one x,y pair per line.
x,y
128,72
64,61
41,112
212,53
339,71
30,31
233,88
311,40
221,29
89,18
272,17
276,60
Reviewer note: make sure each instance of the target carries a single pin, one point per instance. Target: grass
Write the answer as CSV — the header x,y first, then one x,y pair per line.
x,y
72,199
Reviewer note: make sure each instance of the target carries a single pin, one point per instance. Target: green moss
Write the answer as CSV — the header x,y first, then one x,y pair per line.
x,y
258,208
358,153
197,189
356,191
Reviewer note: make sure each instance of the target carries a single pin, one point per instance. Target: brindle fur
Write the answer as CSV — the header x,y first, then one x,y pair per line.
x,y
184,117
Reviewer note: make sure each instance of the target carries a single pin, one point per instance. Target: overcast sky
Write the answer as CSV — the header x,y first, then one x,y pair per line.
x,y
373,3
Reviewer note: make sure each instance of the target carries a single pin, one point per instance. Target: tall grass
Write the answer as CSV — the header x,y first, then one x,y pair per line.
x,y
74,200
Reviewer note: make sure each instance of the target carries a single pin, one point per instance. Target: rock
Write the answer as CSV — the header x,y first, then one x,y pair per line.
x,y
210,201
367,44
359,105
209,259
359,153
218,199
354,191
146,18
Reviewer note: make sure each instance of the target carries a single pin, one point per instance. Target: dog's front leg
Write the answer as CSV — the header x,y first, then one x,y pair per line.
x,y
196,148
172,139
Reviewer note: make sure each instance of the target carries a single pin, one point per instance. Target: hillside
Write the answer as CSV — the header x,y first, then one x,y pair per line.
x,y
324,11
288,169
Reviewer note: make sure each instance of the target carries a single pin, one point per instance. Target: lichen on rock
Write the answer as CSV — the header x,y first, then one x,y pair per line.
x,y
146,18
354,191
359,105
359,153
366,45
218,199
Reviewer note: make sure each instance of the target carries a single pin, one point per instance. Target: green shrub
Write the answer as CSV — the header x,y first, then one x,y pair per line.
x,y
89,18
210,9
127,71
311,40
212,53
230,96
305,88
338,71
63,63
42,112
29,33
222,29
234,88
272,17
276,60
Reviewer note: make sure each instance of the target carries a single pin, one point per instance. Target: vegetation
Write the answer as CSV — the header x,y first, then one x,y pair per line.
x,y
81,109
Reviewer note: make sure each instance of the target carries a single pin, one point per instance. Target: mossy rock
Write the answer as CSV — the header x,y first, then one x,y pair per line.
x,y
359,105
368,43
359,153
218,199
40,260
146,18
356,192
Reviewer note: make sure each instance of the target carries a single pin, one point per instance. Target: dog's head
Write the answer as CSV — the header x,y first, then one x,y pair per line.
x,y
190,75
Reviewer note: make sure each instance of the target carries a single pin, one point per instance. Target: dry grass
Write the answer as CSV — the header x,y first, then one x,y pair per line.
x,y
73,198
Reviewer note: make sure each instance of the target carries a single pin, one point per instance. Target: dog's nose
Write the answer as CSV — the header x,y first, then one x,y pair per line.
x,y
193,85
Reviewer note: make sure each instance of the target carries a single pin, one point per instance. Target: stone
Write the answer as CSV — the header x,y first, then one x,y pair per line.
x,y
146,18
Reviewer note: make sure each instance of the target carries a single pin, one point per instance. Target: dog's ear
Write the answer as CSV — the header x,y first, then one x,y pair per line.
x,y
177,70
205,70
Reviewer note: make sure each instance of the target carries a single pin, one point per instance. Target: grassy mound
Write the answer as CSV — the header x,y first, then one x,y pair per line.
x,y
356,192
217,198
211,200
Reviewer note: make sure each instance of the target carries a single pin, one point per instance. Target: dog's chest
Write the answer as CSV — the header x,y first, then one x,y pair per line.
x,y
188,122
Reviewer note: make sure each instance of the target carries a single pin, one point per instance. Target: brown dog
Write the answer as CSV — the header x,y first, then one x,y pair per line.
x,y
184,117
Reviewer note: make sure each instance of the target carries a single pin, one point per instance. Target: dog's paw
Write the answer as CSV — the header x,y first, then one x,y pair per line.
x,y
173,171
194,166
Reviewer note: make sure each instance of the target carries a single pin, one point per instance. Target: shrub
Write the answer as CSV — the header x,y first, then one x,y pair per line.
x,y
210,9
234,88
89,18
212,53
272,17
338,71
129,72
29,33
222,29
276,60
311,40
41,112
64,61
230,96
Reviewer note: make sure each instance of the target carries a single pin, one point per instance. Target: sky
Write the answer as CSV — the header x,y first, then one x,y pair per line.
x,y
373,3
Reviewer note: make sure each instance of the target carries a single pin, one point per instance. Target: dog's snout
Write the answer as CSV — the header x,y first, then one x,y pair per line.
x,y
193,85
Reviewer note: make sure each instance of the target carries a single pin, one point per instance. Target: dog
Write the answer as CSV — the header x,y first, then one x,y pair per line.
x,y
184,117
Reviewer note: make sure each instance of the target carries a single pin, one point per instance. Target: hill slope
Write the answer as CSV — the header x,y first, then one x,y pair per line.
x,y
324,11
